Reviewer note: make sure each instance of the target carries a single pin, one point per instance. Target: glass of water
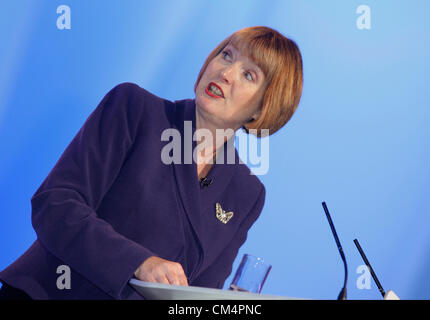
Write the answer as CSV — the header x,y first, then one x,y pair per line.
x,y
251,274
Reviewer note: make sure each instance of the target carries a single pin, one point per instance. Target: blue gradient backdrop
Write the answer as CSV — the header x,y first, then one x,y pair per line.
x,y
359,140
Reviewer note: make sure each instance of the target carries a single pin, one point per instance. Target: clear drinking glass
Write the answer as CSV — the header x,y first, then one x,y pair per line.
x,y
251,274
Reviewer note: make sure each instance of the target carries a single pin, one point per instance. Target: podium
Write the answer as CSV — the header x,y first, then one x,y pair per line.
x,y
160,291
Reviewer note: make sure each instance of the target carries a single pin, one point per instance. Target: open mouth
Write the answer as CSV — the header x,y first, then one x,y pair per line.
x,y
214,90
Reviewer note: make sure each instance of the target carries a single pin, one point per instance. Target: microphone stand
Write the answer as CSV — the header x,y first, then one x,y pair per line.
x,y
342,293
389,295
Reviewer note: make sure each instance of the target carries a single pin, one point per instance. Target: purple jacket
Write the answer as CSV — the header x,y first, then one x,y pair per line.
x,y
109,203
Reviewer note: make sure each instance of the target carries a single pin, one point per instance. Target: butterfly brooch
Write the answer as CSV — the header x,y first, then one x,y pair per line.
x,y
223,216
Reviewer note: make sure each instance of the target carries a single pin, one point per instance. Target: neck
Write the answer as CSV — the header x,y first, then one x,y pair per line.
x,y
209,150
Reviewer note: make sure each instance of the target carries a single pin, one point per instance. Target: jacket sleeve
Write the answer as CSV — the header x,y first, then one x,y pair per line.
x,y
216,274
64,207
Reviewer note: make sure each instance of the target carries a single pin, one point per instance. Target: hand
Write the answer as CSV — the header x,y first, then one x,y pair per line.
x,y
155,269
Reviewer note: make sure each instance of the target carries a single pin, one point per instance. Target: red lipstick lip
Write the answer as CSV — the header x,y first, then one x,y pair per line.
x,y
210,93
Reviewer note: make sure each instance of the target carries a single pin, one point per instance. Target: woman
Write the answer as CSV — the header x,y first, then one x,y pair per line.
x,y
111,209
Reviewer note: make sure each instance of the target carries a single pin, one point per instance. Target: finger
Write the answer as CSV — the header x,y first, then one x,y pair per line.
x,y
162,278
144,277
173,277
182,279
180,275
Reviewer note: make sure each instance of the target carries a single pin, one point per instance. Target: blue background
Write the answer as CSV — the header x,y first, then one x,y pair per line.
x,y
359,139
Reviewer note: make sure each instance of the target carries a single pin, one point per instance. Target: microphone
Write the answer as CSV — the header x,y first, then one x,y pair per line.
x,y
342,294
375,278
205,182
390,294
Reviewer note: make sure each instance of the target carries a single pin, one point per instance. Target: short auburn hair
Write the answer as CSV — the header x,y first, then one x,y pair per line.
x,y
281,62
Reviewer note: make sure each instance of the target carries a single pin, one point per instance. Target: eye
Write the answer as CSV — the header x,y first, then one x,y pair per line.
x,y
250,78
225,53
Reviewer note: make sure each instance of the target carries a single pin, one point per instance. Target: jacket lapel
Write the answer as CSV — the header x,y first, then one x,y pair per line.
x,y
185,172
197,202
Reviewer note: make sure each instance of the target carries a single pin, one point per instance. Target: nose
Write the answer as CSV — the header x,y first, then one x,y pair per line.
x,y
225,77
227,74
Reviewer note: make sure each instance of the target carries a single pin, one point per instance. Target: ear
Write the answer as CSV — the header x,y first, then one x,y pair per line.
x,y
256,115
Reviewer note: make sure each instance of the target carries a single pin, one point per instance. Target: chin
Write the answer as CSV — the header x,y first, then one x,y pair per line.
x,y
204,103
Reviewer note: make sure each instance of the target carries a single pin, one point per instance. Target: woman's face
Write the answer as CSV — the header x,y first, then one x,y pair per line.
x,y
230,90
